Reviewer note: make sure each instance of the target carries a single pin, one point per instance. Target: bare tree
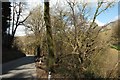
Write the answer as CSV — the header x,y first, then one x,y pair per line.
x,y
17,17
35,23
76,36
83,38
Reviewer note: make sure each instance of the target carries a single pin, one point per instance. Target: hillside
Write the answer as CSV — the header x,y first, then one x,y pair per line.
x,y
111,31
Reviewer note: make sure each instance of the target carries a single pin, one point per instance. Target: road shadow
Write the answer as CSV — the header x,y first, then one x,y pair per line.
x,y
20,76
17,63
10,54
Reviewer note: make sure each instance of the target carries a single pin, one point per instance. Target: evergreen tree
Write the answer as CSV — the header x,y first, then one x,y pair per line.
x,y
6,12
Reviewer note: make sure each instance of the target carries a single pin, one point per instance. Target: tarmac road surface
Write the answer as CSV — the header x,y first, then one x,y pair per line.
x,y
20,68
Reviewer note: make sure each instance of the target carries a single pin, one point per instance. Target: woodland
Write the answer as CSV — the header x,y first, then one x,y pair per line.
x,y
66,39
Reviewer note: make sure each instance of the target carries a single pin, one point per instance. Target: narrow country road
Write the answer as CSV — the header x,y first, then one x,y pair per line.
x,y
20,68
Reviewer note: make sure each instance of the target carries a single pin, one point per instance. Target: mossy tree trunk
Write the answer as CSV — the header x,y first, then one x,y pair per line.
x,y
51,55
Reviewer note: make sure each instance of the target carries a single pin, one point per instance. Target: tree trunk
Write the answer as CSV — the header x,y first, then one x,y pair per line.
x,y
51,55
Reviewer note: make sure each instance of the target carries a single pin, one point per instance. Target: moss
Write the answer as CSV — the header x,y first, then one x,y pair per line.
x,y
117,47
51,55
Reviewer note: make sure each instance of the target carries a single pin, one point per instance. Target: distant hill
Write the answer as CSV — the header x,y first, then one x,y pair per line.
x,y
112,30
112,25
